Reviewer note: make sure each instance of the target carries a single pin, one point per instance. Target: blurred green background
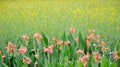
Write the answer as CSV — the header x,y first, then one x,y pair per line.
x,y
18,17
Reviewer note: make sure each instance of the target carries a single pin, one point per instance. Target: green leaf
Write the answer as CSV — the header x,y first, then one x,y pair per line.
x,y
4,65
1,64
18,62
69,64
67,52
104,62
70,37
33,59
118,63
45,39
112,65
79,64
60,65
25,65
90,61
64,38
90,50
82,43
47,63
117,45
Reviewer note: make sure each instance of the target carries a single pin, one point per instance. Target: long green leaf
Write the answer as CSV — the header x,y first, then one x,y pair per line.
x,y
45,39
104,62
64,38
112,65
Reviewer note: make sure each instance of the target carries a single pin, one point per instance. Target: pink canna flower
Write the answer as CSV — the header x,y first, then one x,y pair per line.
x,y
88,42
79,52
60,47
97,40
97,57
84,59
115,54
92,36
22,50
76,40
10,47
60,42
0,52
26,60
46,50
36,55
51,46
104,49
97,36
101,44
72,30
25,37
91,31
37,36
35,64
116,58
84,62
67,42
55,40
3,57
88,37
49,49
87,55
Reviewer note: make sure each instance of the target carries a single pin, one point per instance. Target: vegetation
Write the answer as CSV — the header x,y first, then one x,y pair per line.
x,y
34,33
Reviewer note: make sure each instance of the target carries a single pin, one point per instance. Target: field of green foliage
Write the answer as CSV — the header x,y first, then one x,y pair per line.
x,y
52,18
55,17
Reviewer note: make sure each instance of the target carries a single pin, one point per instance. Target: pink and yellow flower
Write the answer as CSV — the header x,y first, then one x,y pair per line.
x,y
88,42
66,42
37,36
97,57
22,50
3,57
0,52
84,59
104,49
10,47
79,52
115,54
91,31
49,49
72,30
26,60
25,37
55,40
76,40
101,44
60,42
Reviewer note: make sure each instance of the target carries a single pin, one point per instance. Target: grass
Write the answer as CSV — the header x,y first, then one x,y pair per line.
x,y
55,17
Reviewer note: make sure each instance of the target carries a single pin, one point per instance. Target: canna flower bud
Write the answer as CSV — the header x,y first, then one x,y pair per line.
x,y
72,30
